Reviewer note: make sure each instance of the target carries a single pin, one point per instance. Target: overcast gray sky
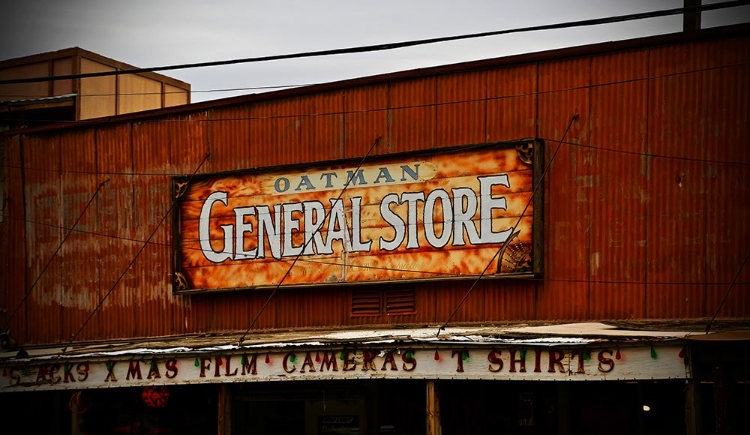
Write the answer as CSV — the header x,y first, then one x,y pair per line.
x,y
149,33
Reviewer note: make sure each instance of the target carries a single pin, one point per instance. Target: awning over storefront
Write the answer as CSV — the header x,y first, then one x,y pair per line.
x,y
559,352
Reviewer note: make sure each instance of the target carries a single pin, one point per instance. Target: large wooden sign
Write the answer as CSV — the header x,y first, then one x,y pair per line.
x,y
462,212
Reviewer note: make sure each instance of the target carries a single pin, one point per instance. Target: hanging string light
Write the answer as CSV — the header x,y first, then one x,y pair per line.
x,y
617,354
317,357
268,358
437,355
197,363
653,352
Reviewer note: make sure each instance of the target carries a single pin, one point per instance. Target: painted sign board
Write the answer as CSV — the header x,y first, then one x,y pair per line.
x,y
489,363
443,214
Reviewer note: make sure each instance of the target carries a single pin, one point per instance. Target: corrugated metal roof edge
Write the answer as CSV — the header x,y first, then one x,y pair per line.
x,y
553,334
26,101
540,56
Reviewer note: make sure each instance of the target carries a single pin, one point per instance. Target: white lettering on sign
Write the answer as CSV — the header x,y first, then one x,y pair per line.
x,y
276,229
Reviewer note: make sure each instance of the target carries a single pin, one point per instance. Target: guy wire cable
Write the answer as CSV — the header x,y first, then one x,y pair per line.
x,y
513,233
273,293
54,254
143,247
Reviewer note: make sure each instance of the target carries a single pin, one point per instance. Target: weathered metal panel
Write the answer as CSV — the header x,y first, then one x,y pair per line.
x,y
13,236
511,102
43,236
275,132
118,286
510,300
322,124
727,237
412,114
676,228
305,308
366,118
616,189
152,172
461,108
564,93
81,250
229,138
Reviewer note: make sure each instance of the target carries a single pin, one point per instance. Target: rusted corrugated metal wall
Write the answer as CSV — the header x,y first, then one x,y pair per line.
x,y
645,208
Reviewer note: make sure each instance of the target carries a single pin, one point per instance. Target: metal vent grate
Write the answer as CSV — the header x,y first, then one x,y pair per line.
x,y
399,301
366,302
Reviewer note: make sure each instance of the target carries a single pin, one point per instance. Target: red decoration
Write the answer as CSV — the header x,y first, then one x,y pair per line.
x,y
155,397
437,356
617,355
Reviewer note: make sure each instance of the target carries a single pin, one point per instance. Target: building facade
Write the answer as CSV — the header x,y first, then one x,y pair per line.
x,y
86,85
543,243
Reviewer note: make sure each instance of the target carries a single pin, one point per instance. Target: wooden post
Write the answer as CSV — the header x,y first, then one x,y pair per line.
x,y
693,414
691,20
225,411
723,394
433,409
563,409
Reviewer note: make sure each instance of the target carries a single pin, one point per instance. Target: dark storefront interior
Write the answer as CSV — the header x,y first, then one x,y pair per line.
x,y
467,407
375,407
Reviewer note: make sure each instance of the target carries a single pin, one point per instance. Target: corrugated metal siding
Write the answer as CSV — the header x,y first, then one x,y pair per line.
x,y
14,258
461,109
43,235
412,115
617,185
563,93
643,216
81,251
511,103
366,119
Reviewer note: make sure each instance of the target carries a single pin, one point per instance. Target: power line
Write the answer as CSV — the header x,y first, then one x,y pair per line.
x,y
413,106
395,45
410,106
130,94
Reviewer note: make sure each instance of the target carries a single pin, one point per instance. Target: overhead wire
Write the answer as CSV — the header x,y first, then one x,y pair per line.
x,y
409,106
416,106
395,45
